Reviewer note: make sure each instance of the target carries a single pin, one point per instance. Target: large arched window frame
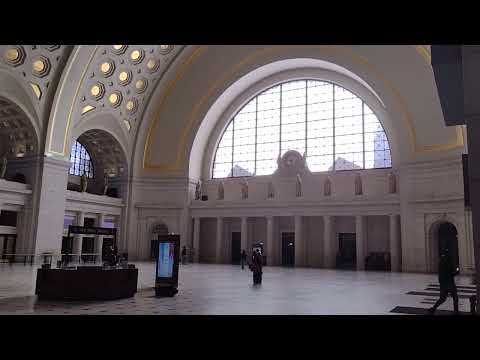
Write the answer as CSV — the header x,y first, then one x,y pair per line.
x,y
81,161
335,127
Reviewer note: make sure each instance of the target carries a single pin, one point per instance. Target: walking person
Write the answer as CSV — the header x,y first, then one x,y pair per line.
x,y
184,255
243,258
256,267
446,275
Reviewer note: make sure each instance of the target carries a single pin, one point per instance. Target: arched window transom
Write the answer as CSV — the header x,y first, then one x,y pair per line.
x,y
80,160
335,128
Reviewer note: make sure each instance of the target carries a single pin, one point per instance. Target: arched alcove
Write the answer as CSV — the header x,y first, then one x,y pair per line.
x,y
18,142
109,160
443,239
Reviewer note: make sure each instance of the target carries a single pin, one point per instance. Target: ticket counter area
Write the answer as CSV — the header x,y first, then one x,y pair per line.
x,y
108,282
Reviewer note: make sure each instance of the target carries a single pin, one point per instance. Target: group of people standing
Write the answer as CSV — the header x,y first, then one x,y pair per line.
x,y
255,265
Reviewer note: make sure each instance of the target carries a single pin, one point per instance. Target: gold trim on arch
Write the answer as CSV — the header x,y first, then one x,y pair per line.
x,y
181,149
69,117
422,50
181,72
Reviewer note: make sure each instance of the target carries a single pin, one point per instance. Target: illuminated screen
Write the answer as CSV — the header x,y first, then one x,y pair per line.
x,y
165,260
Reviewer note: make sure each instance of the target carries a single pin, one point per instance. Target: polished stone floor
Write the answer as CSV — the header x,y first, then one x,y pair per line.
x,y
226,289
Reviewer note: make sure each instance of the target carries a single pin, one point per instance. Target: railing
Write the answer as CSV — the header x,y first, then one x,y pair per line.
x,y
51,258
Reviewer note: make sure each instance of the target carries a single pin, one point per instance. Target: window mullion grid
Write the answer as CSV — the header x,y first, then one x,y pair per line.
x,y
333,126
256,128
363,132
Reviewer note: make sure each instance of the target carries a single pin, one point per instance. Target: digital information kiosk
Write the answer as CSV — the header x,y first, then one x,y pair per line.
x,y
166,277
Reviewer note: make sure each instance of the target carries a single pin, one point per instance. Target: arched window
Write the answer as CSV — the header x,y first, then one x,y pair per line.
x,y
335,128
81,161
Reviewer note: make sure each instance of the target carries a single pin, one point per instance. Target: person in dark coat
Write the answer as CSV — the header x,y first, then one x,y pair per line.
x,y
446,278
111,256
256,267
243,258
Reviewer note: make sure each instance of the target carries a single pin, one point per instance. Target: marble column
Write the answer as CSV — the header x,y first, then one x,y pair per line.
x,y
394,244
121,238
244,234
99,239
269,241
219,243
196,239
185,227
299,243
360,241
144,241
473,133
328,252
77,239
121,244
48,225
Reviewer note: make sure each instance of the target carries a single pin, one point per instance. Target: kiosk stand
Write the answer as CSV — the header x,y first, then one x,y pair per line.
x,y
166,277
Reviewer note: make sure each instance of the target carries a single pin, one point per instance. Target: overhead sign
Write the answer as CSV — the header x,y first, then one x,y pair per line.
x,y
86,230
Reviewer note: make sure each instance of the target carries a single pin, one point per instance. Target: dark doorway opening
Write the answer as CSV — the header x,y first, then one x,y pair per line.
x,y
236,247
107,242
88,246
448,242
67,248
288,249
8,244
347,251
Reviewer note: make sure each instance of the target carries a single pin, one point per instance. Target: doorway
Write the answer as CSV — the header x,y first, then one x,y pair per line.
x,y
8,244
88,247
448,242
347,251
107,242
236,247
67,248
288,249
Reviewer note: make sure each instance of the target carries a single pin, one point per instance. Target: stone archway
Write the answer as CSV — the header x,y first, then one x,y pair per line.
x,y
443,238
